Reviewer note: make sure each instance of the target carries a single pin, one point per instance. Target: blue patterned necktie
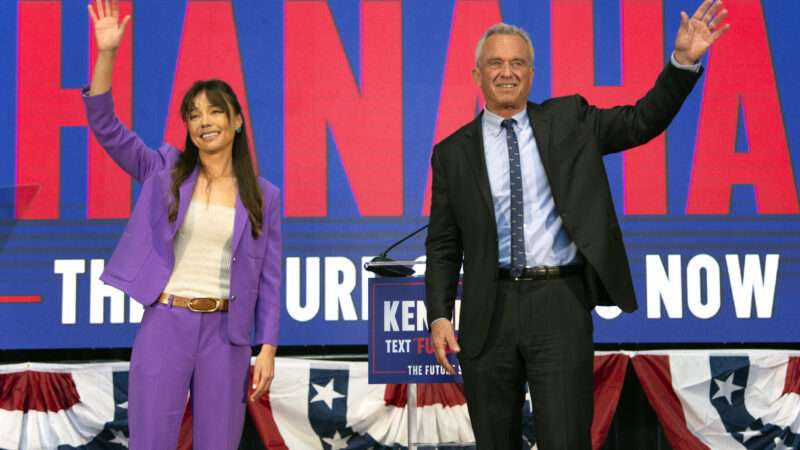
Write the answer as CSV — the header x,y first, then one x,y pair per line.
x,y
517,214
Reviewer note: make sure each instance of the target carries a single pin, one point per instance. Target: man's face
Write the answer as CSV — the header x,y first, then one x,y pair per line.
x,y
504,73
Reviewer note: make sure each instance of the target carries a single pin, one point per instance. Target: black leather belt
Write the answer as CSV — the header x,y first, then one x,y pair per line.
x,y
541,272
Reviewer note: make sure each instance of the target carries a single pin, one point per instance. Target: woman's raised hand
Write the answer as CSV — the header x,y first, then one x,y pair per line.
x,y
108,30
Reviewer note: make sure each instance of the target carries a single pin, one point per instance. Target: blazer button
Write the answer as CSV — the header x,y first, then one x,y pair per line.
x,y
234,259
233,297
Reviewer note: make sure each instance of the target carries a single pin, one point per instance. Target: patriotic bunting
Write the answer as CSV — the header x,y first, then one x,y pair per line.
x,y
703,399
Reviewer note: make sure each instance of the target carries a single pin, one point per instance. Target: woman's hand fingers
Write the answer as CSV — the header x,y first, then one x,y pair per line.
x,y
261,383
263,372
124,24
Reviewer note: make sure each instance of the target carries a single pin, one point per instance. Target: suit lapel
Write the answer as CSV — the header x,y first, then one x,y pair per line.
x,y
185,191
540,122
477,161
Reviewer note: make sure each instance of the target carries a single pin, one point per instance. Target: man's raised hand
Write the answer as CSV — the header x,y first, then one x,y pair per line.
x,y
697,33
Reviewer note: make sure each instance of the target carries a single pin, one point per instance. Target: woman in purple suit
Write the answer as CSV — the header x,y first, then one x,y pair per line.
x,y
202,252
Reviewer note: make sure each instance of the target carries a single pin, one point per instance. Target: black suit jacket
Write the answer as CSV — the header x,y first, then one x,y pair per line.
x,y
572,137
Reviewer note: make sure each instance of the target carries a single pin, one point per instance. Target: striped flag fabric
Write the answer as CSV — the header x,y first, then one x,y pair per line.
x,y
312,404
48,406
724,400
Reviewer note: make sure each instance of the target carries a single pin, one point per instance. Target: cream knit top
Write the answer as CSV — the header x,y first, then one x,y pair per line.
x,y
203,252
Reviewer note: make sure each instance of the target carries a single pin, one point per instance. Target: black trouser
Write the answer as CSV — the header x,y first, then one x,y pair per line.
x,y
541,333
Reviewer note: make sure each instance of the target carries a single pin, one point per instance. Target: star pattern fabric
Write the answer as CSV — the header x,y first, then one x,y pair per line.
x,y
337,442
750,432
119,438
780,444
726,388
326,394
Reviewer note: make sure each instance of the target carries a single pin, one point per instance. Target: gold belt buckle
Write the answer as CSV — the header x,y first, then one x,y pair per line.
x,y
204,304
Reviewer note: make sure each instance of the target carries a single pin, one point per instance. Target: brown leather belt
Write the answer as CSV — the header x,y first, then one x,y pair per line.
x,y
199,304
541,272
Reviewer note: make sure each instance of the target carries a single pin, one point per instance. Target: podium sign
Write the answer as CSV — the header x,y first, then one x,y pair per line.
x,y
400,348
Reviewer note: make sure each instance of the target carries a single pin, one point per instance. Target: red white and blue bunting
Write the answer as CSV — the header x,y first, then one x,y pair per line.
x,y
704,400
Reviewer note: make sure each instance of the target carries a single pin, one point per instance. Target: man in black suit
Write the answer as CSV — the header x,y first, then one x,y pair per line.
x,y
520,197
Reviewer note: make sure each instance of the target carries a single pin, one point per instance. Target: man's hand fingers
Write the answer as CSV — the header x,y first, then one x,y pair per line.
x,y
452,343
702,10
718,19
441,357
712,12
684,21
442,336
720,32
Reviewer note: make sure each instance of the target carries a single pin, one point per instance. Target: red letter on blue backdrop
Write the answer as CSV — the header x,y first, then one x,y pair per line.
x,y
740,72
644,169
459,94
366,120
109,187
209,49
44,107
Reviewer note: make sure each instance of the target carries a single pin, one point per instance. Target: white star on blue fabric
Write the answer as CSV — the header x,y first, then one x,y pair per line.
x,y
528,398
337,442
325,394
726,388
119,438
750,433
780,444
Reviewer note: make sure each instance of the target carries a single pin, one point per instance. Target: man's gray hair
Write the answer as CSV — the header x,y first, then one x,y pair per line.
x,y
502,28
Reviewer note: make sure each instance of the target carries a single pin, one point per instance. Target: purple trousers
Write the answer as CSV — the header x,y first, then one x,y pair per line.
x,y
177,351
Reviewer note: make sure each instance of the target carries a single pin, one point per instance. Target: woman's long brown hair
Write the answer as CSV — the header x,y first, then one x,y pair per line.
x,y
220,94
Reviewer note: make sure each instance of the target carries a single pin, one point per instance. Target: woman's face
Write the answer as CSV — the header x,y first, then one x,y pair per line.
x,y
209,126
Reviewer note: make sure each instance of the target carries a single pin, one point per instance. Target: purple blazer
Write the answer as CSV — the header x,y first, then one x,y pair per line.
x,y
143,260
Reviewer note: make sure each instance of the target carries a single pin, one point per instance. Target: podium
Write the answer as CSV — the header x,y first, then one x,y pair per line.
x,y
400,349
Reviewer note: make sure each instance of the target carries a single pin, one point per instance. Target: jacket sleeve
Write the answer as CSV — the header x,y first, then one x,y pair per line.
x,y
623,127
122,144
443,247
268,308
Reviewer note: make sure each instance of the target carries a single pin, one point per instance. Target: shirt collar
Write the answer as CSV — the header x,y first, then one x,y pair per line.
x,y
491,121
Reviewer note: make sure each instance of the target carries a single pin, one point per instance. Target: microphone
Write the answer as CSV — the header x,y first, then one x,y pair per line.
x,y
384,266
